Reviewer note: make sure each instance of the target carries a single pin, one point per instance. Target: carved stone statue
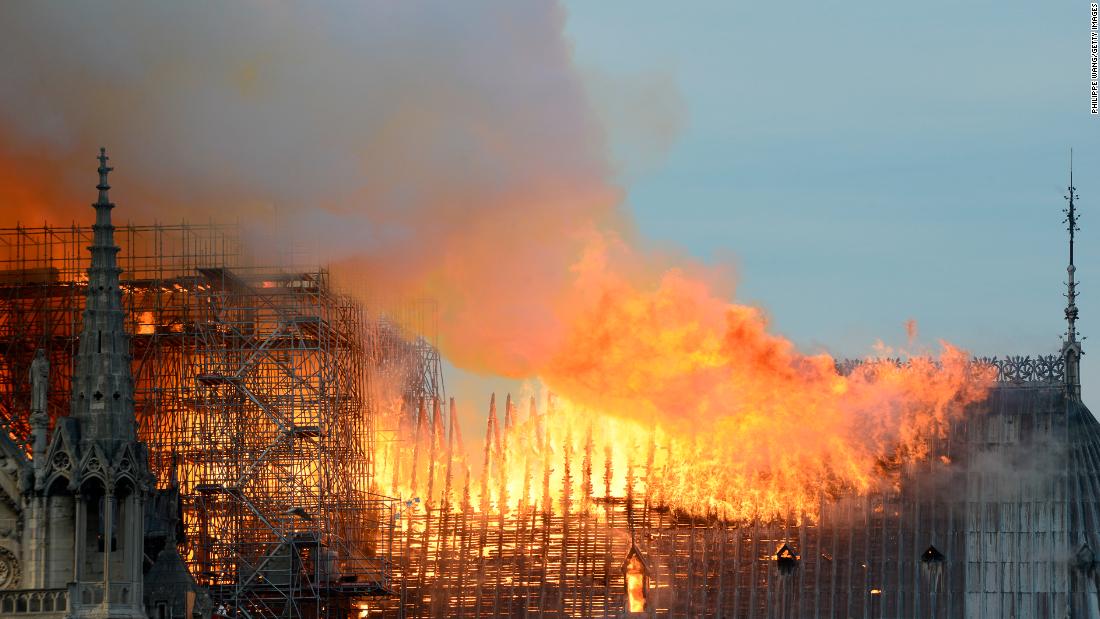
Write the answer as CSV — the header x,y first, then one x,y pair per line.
x,y
40,381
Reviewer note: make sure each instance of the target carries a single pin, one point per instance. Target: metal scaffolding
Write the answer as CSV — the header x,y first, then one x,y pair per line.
x,y
252,391
403,356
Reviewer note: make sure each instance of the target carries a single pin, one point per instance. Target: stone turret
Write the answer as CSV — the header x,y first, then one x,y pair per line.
x,y
87,521
103,388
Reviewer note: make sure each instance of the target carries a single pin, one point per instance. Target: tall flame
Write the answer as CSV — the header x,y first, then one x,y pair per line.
x,y
665,388
744,463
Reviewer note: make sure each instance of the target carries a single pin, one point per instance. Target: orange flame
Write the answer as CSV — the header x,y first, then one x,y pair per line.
x,y
635,585
671,391
146,325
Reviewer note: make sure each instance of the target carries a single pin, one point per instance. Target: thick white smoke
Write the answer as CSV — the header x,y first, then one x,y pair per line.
x,y
443,148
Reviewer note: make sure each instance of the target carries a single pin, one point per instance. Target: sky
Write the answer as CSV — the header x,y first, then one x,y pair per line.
x,y
855,167
861,164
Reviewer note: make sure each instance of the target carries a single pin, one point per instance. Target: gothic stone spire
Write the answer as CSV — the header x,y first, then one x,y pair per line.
x,y
102,385
1071,347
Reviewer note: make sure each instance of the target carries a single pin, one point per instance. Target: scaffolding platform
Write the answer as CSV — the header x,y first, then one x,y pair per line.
x,y
252,392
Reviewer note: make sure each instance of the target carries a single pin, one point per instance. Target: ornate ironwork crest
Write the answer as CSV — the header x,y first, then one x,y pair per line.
x,y
1012,370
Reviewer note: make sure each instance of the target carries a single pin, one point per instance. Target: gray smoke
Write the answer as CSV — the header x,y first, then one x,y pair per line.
x,y
444,148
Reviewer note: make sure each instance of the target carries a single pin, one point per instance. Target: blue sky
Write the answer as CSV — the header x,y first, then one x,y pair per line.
x,y
861,164
866,165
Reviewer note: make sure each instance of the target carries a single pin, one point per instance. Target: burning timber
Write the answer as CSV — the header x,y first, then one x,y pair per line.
x,y
999,520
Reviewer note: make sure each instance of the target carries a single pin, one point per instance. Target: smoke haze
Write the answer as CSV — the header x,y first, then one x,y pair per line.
x,y
447,150
442,149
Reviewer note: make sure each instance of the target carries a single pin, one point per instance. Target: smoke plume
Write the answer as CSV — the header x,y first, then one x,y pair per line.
x,y
439,149
444,149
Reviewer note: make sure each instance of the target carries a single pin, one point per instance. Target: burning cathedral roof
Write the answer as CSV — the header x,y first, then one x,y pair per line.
x,y
1001,518
998,516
